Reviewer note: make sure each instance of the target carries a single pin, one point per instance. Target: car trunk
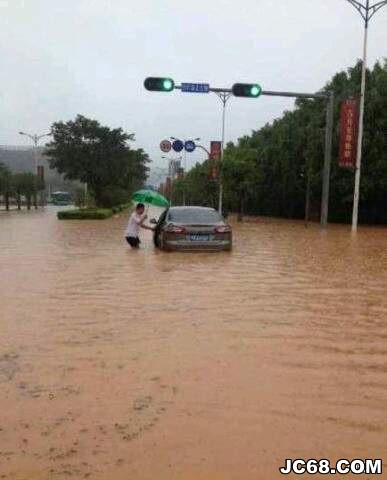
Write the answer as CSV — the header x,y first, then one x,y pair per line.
x,y
197,233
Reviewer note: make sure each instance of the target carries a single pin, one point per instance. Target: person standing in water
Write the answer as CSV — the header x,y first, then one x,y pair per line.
x,y
136,221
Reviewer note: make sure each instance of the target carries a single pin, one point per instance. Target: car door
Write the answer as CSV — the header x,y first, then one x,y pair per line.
x,y
159,228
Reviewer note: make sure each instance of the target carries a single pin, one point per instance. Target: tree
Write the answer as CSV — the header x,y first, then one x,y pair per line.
x,y
97,155
196,187
240,174
26,184
18,187
5,184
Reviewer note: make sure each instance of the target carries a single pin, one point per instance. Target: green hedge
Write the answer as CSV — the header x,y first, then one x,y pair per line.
x,y
85,214
91,213
120,208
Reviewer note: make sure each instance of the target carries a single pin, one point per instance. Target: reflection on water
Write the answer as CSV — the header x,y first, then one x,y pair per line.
x,y
118,364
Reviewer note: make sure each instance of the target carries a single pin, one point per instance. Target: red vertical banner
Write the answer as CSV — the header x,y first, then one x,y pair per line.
x,y
215,150
349,121
215,154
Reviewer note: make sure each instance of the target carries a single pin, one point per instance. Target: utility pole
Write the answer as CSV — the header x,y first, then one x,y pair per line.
x,y
35,139
327,160
367,11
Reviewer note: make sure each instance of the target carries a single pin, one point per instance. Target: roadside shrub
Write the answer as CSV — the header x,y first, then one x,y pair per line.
x,y
87,214
92,213
120,208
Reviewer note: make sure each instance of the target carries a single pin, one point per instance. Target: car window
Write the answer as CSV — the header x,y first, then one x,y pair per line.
x,y
194,216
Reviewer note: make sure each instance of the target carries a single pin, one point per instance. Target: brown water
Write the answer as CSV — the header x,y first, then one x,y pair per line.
x,y
119,364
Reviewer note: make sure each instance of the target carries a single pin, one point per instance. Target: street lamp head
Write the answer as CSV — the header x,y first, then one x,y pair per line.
x,y
22,133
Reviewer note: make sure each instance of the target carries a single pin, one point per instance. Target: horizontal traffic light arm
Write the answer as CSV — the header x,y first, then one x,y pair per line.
x,y
270,93
166,84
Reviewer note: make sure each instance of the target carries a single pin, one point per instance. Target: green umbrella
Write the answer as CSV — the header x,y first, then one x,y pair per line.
x,y
150,197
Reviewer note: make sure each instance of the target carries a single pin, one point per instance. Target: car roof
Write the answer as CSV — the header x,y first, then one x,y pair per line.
x,y
191,207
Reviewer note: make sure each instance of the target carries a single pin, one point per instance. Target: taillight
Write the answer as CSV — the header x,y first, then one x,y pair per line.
x,y
175,229
223,229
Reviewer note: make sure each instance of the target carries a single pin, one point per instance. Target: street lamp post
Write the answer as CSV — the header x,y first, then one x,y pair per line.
x,y
367,11
35,138
224,97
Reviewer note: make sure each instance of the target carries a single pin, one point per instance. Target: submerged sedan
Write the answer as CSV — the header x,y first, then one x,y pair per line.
x,y
192,228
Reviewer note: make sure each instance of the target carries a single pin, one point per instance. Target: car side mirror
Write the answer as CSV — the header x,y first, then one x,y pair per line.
x,y
153,221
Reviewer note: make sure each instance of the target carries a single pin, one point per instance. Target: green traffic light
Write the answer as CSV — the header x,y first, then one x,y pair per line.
x,y
167,84
255,90
249,90
159,84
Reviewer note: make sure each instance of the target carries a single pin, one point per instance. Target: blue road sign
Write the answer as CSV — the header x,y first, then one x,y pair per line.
x,y
189,146
178,145
195,87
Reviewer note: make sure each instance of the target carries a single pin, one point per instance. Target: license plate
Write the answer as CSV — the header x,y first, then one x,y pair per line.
x,y
199,238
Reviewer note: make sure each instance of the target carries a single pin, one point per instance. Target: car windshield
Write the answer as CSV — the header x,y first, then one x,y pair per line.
x,y
194,216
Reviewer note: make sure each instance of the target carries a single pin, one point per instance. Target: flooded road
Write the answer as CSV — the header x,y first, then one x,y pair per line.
x,y
119,364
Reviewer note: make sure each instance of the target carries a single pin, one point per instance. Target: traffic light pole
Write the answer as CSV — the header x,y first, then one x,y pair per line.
x,y
225,93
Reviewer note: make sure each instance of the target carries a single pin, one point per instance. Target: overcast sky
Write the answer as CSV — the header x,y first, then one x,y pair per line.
x,y
61,58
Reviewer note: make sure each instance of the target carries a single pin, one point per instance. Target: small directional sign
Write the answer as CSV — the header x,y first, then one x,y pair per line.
x,y
195,87
178,145
189,146
165,146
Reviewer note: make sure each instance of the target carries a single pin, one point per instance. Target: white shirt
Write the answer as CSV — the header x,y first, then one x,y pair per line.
x,y
133,227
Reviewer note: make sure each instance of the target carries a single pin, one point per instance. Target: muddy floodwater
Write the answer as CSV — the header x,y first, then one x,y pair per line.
x,y
144,365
